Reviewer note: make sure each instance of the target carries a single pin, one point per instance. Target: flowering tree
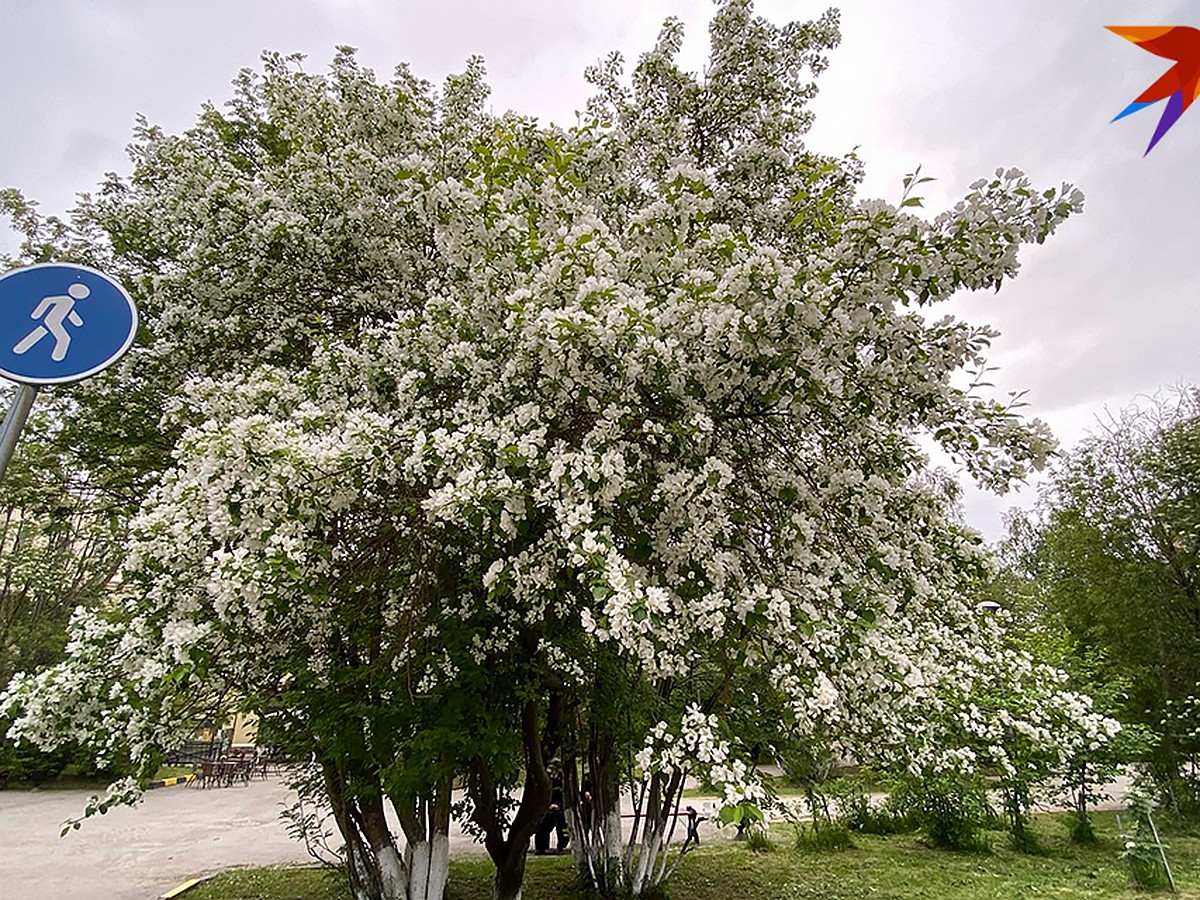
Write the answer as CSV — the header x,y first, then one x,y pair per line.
x,y
61,540
499,443
1016,717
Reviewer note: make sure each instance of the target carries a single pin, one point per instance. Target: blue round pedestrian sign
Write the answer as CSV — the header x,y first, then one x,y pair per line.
x,y
61,323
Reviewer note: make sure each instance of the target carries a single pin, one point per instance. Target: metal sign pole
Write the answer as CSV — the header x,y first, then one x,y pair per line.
x,y
10,431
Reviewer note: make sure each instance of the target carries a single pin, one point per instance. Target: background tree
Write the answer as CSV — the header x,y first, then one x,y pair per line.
x,y
1110,566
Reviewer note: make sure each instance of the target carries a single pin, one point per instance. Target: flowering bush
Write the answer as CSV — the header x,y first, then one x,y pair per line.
x,y
581,443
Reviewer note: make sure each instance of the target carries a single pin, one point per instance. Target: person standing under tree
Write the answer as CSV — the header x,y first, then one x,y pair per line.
x,y
554,820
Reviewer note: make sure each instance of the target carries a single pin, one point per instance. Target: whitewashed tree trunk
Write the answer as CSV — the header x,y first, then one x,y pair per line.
x,y
425,821
613,838
646,858
597,850
428,868
393,879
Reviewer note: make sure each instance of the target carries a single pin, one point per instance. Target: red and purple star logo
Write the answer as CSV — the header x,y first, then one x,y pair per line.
x,y
1179,85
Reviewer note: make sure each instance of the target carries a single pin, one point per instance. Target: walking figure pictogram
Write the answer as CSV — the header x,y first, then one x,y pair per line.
x,y
52,311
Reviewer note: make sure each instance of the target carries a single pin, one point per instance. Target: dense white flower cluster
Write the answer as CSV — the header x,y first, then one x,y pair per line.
x,y
694,745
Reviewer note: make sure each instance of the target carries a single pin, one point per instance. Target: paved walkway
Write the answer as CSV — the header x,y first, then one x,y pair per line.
x,y
137,854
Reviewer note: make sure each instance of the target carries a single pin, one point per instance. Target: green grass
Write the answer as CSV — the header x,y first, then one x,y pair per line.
x,y
165,772
892,868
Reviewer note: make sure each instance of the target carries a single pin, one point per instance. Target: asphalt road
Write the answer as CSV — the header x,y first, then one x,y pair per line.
x,y
176,833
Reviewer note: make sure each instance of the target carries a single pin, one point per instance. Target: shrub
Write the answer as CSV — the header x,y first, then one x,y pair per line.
x,y
758,841
830,837
950,810
858,814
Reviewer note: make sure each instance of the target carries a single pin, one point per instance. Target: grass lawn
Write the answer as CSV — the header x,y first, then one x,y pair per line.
x,y
896,868
172,772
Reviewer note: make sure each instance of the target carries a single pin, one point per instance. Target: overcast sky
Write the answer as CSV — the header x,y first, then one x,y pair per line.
x,y
1107,310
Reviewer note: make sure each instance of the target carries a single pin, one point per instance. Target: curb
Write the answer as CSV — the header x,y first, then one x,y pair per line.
x,y
181,888
169,782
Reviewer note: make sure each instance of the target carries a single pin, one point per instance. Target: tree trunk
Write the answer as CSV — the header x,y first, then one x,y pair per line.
x,y
391,873
425,821
508,853
428,868
363,877
595,820
647,860
376,869
612,837
508,884
507,850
